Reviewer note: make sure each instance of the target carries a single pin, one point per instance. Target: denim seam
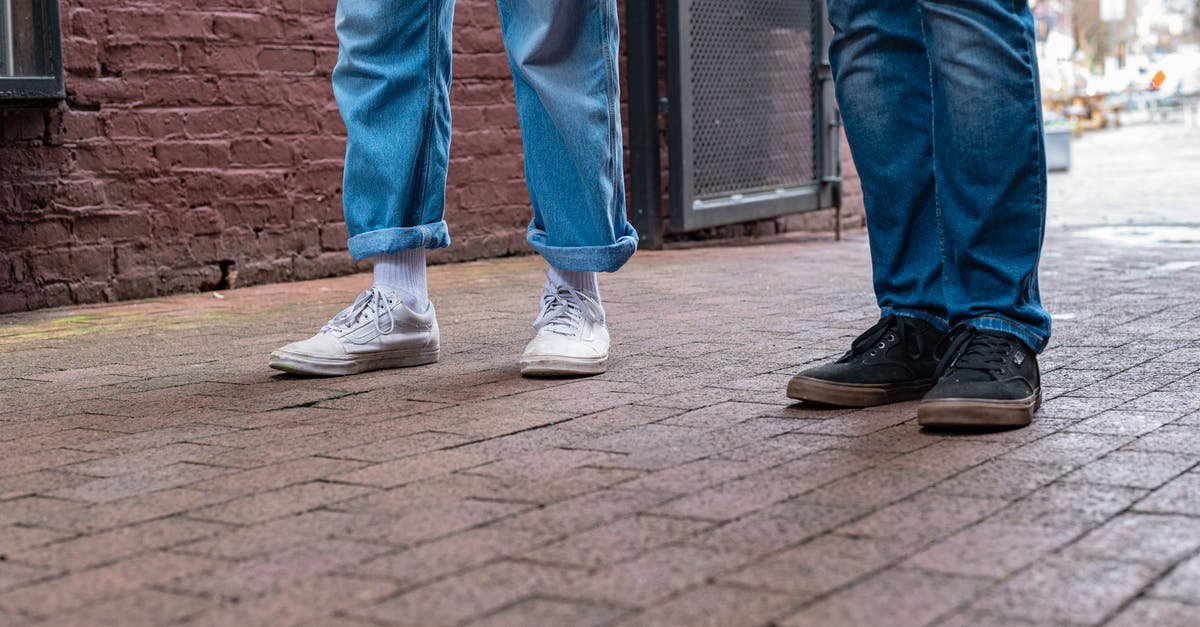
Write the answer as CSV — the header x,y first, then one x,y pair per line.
x,y
612,133
430,102
1039,154
937,202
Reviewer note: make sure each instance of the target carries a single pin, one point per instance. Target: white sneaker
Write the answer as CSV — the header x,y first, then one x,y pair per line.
x,y
377,331
572,339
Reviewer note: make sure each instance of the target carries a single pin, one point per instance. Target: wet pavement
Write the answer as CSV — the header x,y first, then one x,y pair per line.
x,y
154,471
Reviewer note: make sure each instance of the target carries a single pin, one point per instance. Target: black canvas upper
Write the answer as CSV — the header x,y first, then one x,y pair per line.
x,y
990,365
897,349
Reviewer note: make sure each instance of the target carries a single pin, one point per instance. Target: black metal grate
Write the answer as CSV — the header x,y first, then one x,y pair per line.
x,y
753,94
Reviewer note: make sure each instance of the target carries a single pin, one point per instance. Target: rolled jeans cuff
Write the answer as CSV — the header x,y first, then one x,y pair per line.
x,y
938,322
387,241
1035,342
607,258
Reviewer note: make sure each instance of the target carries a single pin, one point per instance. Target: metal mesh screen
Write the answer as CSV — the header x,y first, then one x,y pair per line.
x,y
753,94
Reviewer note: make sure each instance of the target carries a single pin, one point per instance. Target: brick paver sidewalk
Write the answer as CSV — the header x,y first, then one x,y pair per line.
x,y
153,471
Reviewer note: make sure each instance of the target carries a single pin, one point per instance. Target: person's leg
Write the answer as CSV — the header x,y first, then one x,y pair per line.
x,y
564,60
989,162
882,81
392,84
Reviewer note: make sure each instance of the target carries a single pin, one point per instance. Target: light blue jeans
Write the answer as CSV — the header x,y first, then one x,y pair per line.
x,y
392,84
942,110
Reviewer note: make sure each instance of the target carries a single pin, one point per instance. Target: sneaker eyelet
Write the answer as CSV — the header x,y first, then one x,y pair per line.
x,y
873,353
890,338
881,345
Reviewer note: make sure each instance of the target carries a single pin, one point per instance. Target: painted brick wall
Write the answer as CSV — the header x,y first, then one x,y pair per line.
x,y
199,146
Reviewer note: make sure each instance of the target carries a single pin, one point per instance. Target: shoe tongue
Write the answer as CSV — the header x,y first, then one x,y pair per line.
x,y
567,322
982,355
360,310
565,310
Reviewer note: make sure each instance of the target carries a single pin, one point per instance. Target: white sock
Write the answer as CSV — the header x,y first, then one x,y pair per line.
x,y
582,281
403,272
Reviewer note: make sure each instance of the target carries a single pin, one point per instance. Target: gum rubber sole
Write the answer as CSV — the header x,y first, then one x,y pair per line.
x,y
976,412
312,366
812,390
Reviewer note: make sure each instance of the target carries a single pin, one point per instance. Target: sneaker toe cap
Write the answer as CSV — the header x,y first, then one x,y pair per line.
x,y
546,344
320,345
982,390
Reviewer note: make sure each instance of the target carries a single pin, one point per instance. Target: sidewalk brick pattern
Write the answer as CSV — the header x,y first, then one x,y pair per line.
x,y
153,471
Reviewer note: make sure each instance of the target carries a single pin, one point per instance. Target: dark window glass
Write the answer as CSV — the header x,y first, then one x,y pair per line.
x,y
20,55
30,63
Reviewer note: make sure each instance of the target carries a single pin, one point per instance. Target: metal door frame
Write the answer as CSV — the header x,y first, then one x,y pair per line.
x,y
689,213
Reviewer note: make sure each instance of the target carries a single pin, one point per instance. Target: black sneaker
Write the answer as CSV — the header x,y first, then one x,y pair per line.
x,y
893,361
986,379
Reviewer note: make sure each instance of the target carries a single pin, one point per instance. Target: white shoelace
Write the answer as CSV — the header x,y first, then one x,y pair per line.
x,y
564,310
374,301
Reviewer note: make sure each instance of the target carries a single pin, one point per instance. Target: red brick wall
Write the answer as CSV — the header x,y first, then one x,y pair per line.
x,y
201,136
199,145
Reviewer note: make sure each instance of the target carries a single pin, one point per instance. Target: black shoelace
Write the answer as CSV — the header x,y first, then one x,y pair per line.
x,y
972,349
889,328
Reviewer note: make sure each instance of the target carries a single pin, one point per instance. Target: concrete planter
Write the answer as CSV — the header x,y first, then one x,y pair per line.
x,y
1058,149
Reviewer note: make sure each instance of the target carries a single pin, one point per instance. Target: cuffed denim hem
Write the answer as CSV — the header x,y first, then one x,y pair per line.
x,y
387,241
1035,342
608,258
939,323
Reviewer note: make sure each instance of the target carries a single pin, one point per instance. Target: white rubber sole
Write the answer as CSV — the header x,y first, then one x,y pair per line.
x,y
558,366
314,366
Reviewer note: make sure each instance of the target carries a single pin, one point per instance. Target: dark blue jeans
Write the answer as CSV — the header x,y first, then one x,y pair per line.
x,y
942,110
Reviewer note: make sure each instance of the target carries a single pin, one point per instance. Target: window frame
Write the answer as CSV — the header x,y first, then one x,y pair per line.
x,y
23,89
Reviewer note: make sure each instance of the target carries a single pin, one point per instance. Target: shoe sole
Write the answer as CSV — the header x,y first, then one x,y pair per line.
x,y
975,413
311,366
563,366
854,394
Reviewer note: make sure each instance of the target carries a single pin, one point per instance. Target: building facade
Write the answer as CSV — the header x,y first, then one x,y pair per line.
x,y
199,147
